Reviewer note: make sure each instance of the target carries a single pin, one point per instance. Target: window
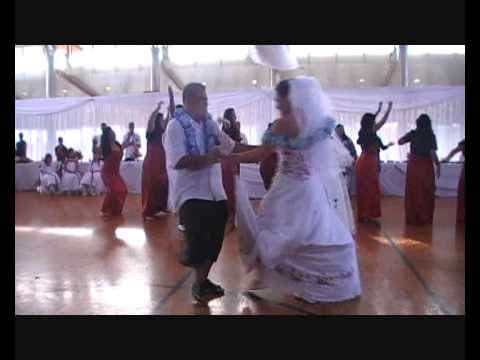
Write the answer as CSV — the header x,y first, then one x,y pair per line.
x,y
110,56
204,54
435,49
30,60
36,142
331,50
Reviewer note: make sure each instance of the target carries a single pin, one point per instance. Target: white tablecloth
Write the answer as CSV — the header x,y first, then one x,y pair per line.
x,y
392,179
27,175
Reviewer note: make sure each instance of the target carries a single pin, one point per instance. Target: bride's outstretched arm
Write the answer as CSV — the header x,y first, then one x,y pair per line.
x,y
253,156
243,147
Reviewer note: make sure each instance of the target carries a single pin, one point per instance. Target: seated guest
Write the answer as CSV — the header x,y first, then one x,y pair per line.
x,y
92,183
131,144
60,150
49,179
70,183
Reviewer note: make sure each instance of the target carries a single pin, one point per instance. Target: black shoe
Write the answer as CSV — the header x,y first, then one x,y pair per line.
x,y
214,287
204,292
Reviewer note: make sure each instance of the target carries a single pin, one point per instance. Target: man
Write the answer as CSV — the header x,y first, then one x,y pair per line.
x,y
97,138
21,149
348,143
103,126
194,144
131,143
60,150
242,135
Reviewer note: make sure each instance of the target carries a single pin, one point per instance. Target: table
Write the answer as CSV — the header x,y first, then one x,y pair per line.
x,y
392,179
27,175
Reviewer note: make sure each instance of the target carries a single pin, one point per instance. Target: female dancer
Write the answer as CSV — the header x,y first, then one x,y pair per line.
x,y
268,167
154,174
297,237
230,169
368,166
420,184
461,183
116,190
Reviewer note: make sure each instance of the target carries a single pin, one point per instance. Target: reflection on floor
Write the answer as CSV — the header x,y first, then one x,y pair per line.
x,y
69,260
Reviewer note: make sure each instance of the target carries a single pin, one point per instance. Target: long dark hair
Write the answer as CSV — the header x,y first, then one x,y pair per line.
x,y
105,142
424,129
283,88
366,128
231,130
424,124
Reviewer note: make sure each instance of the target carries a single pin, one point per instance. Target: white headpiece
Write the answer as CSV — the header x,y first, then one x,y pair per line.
x,y
310,104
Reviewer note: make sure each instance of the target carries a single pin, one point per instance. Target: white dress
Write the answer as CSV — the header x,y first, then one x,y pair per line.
x,y
303,245
48,177
70,178
93,177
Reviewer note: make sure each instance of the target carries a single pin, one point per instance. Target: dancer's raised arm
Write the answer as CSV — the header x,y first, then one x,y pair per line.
x,y
382,122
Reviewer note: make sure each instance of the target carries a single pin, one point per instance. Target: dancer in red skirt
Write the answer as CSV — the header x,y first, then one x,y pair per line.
x,y
116,190
268,167
154,173
230,169
461,182
420,184
368,166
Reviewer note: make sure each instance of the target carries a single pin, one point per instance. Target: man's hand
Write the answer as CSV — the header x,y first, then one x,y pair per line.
x,y
214,155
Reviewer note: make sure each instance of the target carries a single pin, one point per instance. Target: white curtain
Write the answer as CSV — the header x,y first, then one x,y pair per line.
x,y
444,104
77,120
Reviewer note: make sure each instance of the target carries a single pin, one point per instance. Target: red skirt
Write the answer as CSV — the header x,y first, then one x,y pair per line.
x,y
114,184
461,198
368,186
229,170
154,181
115,195
419,191
268,169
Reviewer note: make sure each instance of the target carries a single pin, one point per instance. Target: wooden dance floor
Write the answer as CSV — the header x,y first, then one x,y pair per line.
x,y
69,260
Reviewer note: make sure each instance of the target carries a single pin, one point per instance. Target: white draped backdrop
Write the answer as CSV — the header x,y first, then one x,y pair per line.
x,y
77,120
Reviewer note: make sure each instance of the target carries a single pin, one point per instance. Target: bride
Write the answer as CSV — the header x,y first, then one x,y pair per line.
x,y
297,238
